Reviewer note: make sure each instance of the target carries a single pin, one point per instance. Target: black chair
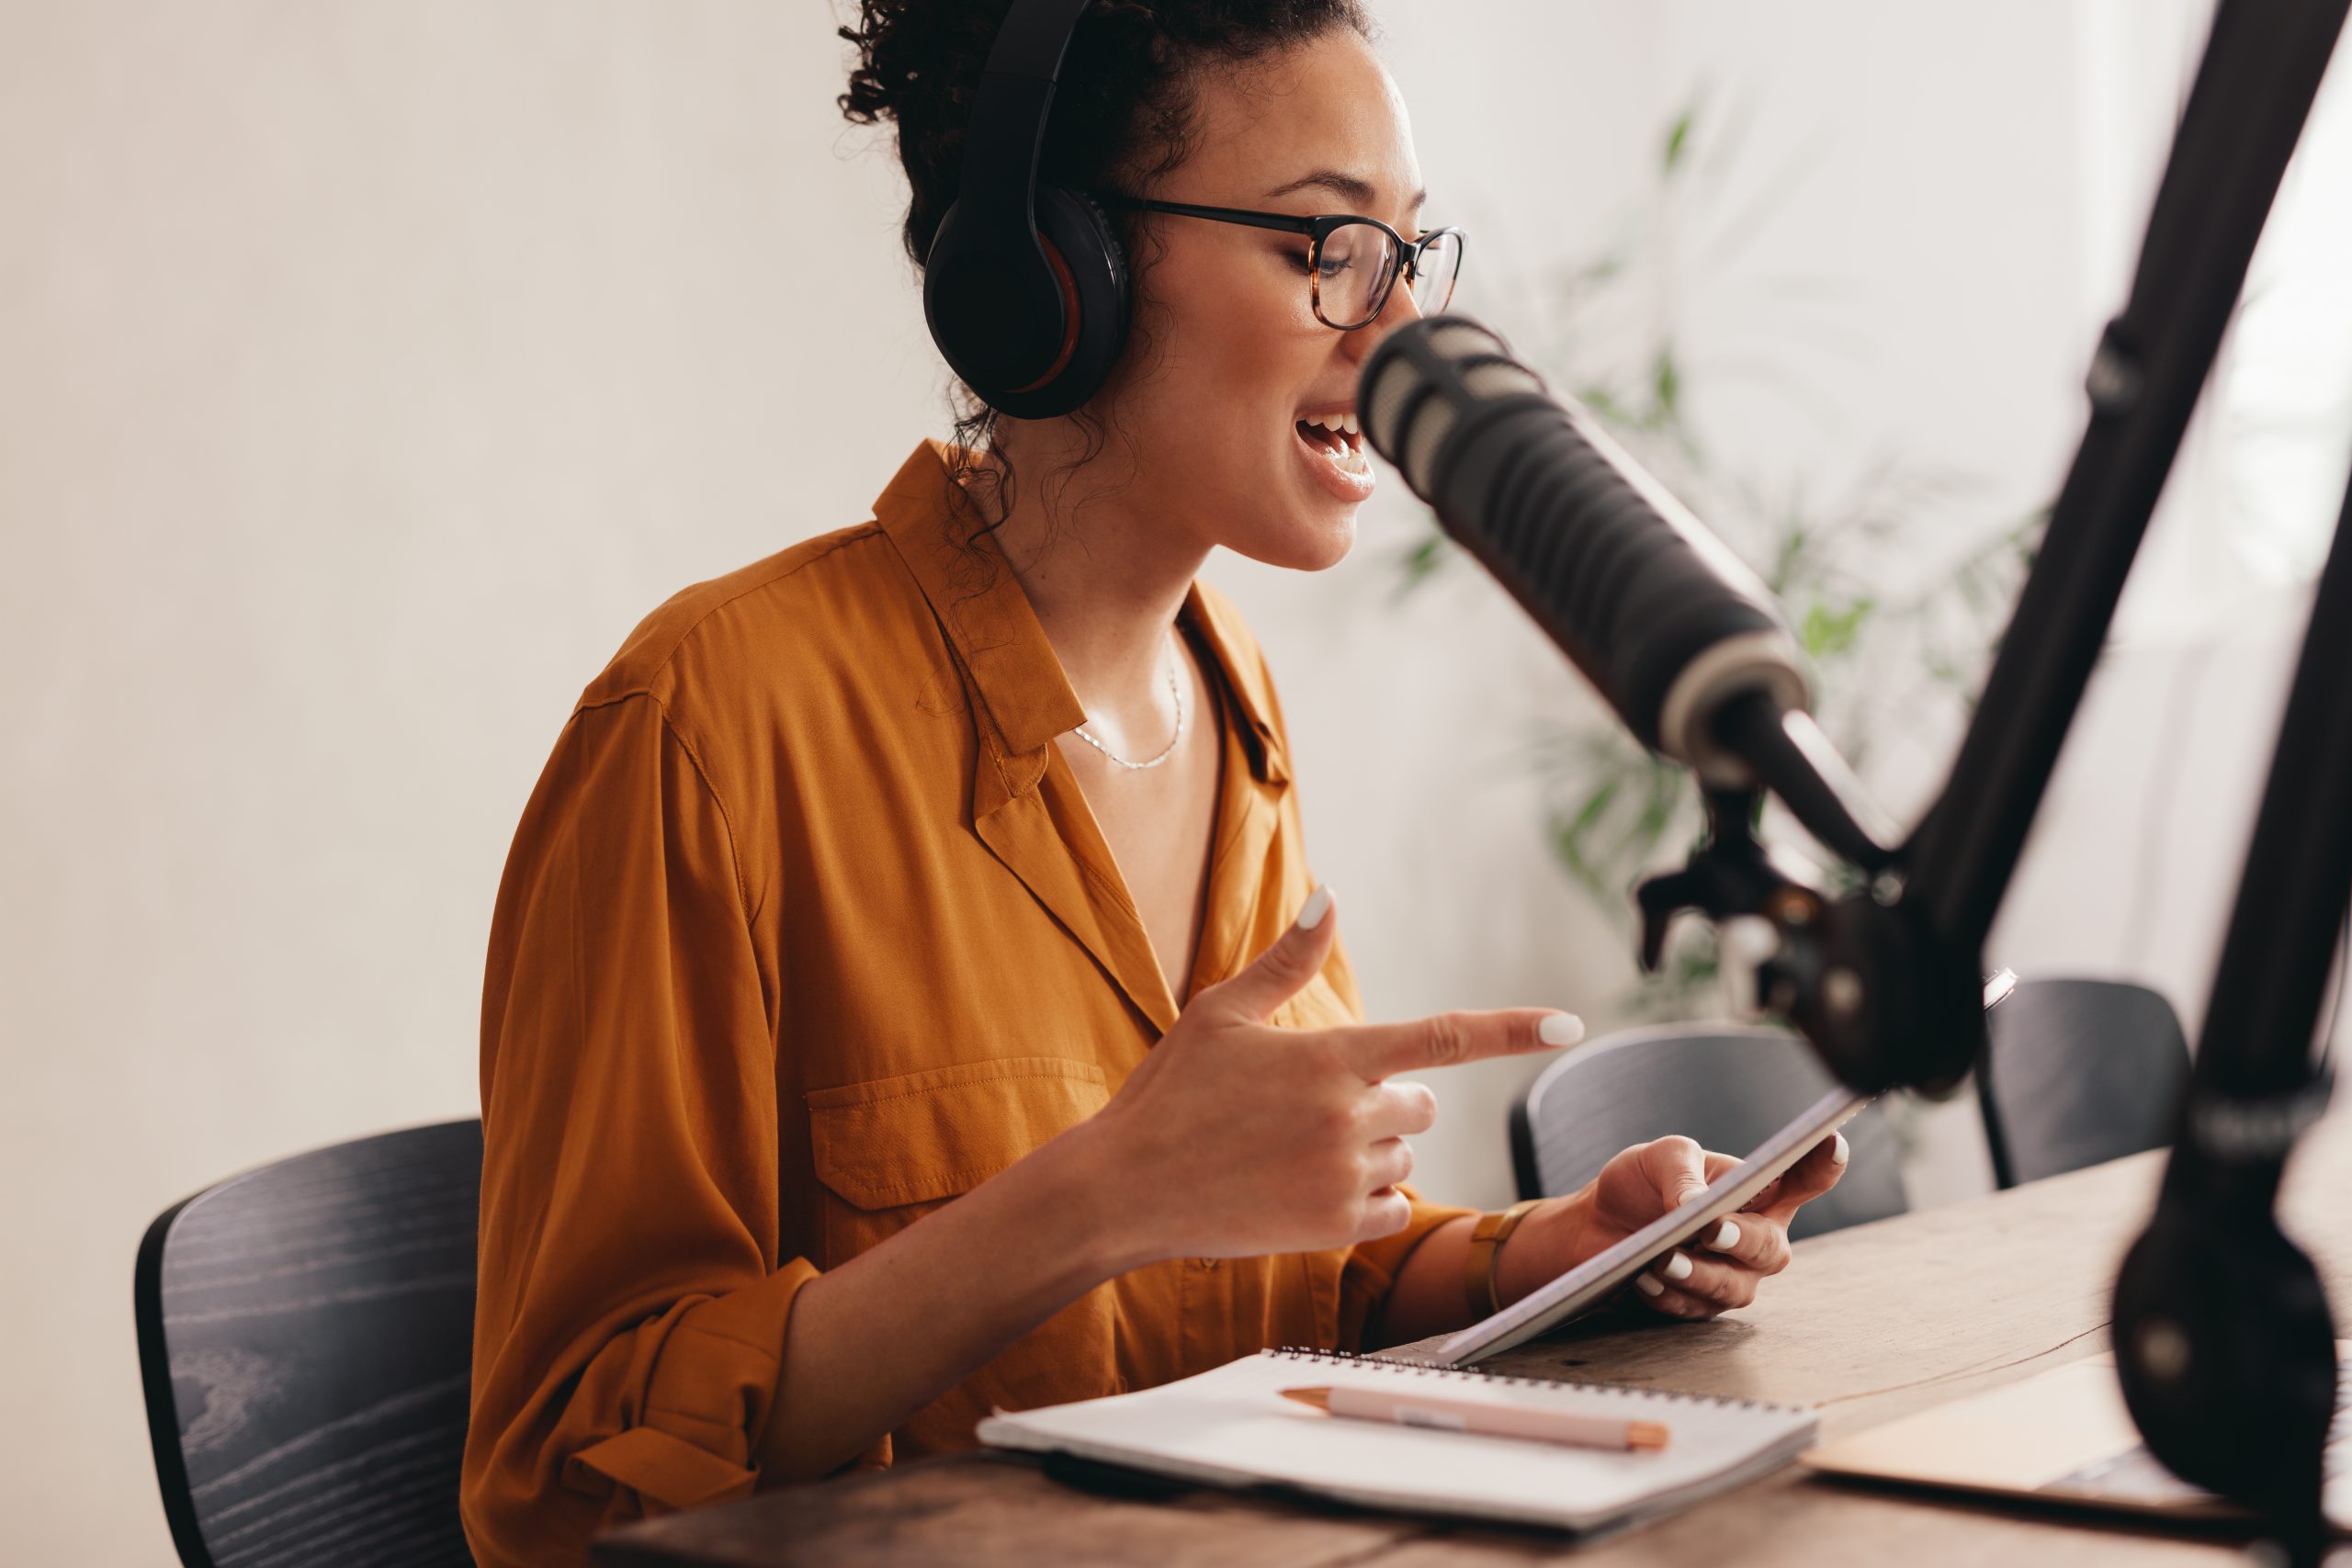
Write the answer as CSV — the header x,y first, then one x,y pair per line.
x,y
2079,1071
1730,1087
305,1335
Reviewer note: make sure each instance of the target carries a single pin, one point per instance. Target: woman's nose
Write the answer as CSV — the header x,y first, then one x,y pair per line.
x,y
1397,311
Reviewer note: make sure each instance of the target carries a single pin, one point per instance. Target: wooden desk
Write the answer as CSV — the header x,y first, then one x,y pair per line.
x,y
1869,1324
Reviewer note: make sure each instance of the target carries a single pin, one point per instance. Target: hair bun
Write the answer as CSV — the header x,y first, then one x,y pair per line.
x,y
1122,107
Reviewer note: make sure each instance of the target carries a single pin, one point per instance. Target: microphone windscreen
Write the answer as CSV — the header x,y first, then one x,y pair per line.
x,y
1664,620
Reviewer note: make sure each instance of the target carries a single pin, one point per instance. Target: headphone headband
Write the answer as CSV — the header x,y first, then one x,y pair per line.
x,y
1024,289
1033,37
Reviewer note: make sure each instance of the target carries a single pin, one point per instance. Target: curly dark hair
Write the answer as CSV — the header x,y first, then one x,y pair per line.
x,y
1121,119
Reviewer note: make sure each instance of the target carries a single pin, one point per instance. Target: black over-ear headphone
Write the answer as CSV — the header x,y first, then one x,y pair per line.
x,y
1025,286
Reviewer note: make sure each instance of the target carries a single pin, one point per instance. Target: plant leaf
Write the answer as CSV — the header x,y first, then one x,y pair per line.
x,y
1421,562
1827,633
1677,138
1666,388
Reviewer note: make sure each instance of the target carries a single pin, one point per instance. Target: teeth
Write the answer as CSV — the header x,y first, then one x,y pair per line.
x,y
1346,451
1349,459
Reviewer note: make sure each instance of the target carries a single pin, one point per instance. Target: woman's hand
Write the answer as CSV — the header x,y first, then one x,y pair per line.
x,y
1717,1271
1236,1138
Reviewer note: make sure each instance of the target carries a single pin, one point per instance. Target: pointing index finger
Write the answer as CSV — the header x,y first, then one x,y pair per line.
x,y
1378,1050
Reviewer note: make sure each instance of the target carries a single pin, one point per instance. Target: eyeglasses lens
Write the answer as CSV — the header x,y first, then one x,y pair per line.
x,y
1433,274
1352,274
1358,262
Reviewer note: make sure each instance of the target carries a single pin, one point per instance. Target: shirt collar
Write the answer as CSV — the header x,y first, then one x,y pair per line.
x,y
1245,677
979,604
1003,649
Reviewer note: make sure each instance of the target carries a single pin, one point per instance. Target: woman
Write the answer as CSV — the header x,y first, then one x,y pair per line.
x,y
908,993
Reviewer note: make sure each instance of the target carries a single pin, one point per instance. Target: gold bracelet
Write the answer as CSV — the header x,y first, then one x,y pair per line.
x,y
1481,1279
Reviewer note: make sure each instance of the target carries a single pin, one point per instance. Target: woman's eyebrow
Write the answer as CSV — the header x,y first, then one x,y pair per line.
x,y
1348,186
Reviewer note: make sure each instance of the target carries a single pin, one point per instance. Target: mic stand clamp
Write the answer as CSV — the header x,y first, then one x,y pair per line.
x,y
1730,876
1836,971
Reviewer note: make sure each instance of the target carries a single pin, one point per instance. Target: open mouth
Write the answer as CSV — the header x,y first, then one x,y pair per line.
x,y
1338,438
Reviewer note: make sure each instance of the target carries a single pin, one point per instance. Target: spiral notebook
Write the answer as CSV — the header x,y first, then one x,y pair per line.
x,y
1232,1428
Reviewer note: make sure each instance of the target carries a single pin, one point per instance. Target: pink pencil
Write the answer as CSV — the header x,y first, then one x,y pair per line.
x,y
1476,1415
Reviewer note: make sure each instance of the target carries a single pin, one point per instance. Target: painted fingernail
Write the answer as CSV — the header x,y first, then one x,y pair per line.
x,y
1842,1152
1310,914
1560,1029
1726,1236
1648,1286
1678,1266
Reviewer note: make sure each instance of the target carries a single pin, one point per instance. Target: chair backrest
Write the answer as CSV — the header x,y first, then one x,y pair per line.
x,y
1730,1087
305,1335
2081,1071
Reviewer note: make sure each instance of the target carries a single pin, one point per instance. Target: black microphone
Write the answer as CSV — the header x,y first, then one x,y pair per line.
x,y
1662,619
1669,626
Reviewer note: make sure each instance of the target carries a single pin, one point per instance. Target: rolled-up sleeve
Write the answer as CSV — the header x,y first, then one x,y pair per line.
x,y
631,1310
1372,1266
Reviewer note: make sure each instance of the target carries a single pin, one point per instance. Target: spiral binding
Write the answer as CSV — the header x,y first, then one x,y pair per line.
x,y
1317,1356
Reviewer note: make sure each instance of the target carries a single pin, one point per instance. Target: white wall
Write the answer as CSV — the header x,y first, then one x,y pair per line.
x,y
366,371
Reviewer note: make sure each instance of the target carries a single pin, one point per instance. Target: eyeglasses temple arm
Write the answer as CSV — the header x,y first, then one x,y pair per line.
x,y
1279,221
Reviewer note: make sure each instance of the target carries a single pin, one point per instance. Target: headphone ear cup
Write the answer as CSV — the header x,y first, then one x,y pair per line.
x,y
1093,276
997,313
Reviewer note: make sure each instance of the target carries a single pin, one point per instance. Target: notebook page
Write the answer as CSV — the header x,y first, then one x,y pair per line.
x,y
1232,1426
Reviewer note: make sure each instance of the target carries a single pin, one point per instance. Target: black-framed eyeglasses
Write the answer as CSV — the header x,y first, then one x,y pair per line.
x,y
1352,262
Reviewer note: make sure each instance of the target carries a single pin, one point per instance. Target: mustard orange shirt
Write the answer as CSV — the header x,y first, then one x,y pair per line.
x,y
806,930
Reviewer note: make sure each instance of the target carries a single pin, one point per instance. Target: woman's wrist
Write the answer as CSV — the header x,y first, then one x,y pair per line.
x,y
1084,1177
1549,1239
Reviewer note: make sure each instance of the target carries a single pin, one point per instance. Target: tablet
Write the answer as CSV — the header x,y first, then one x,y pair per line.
x,y
1589,1283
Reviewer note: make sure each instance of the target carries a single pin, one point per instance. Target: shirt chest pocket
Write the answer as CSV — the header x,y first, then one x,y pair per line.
x,y
888,1150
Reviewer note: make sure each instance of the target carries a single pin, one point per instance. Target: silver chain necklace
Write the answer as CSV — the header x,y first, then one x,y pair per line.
x,y
1166,751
